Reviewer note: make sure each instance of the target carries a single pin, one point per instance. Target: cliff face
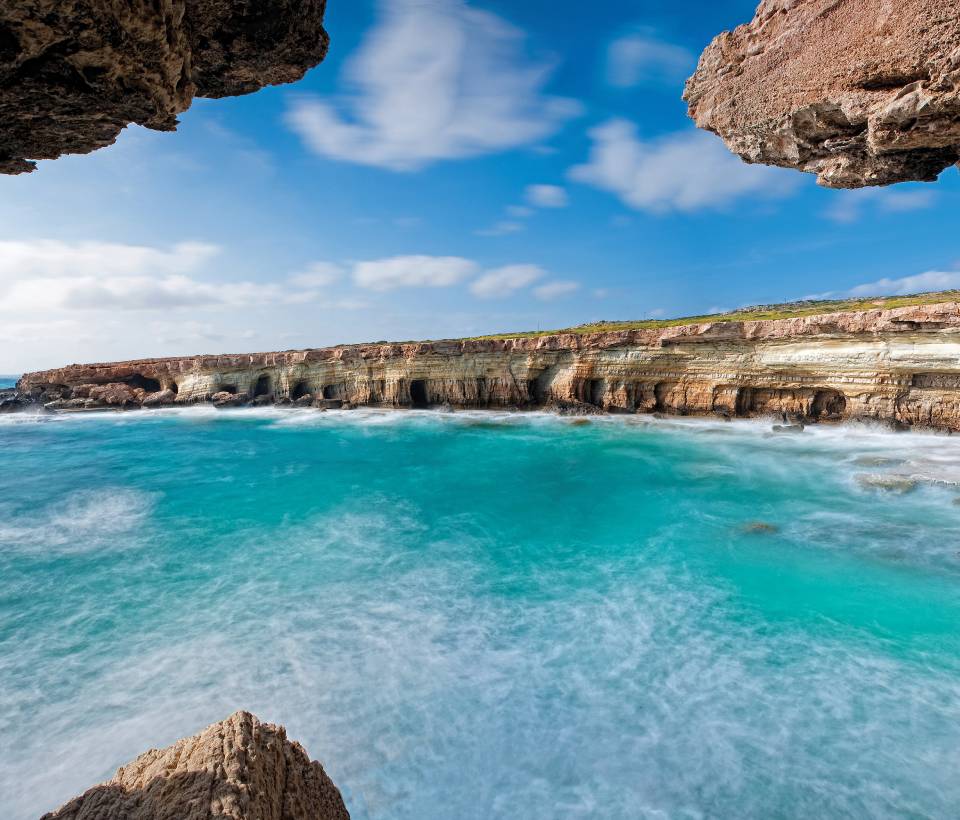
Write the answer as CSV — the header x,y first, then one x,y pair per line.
x,y
859,92
73,73
238,769
899,365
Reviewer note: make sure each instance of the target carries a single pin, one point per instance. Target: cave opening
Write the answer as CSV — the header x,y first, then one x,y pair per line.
x,y
174,387
300,389
227,388
662,394
594,390
331,391
418,393
262,387
828,403
144,383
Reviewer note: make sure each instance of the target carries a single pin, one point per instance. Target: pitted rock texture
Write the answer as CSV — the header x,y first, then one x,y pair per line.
x,y
238,769
73,73
859,92
899,365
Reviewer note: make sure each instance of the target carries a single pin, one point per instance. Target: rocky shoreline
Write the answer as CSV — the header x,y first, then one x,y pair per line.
x,y
899,366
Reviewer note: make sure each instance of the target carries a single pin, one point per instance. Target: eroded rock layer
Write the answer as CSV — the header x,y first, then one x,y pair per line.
x,y
73,73
899,365
859,92
238,769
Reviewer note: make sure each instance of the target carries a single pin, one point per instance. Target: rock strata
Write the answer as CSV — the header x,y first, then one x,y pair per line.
x,y
238,769
900,366
73,73
858,92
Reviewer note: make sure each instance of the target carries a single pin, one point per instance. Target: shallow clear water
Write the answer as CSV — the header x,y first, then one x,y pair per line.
x,y
488,615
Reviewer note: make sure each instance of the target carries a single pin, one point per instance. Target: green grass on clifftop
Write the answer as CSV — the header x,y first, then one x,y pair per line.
x,y
787,310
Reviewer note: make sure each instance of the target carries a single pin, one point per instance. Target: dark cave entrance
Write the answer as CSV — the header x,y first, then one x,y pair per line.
x,y
262,387
594,390
418,393
138,380
828,403
331,391
300,389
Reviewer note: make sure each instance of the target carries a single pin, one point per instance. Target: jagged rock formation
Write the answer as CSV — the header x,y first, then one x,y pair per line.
x,y
859,92
73,73
897,365
238,769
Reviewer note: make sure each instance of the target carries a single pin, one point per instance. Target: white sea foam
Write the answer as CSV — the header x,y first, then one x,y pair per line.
x,y
82,521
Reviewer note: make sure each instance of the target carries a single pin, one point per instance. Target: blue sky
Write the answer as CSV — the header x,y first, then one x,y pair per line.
x,y
451,169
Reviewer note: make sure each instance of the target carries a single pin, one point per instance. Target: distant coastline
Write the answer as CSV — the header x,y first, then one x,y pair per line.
x,y
890,362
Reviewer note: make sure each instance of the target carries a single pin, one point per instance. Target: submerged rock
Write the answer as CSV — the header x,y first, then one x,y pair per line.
x,y
858,92
238,769
73,73
760,528
899,484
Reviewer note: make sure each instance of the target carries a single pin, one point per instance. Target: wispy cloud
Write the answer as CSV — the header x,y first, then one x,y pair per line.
x,y
547,196
49,275
502,228
849,206
413,271
317,275
684,171
555,290
931,280
434,81
501,282
640,57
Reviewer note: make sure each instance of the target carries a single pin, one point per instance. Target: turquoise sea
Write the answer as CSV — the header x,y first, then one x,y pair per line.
x,y
489,615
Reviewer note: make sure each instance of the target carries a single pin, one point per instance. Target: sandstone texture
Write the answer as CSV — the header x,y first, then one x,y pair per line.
x,y
859,92
238,769
73,73
899,365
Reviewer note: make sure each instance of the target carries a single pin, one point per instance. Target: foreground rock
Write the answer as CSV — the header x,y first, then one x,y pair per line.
x,y
73,73
859,92
238,769
900,366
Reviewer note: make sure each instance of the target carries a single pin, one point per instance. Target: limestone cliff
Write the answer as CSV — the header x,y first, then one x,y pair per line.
x,y
859,92
238,769
897,365
73,73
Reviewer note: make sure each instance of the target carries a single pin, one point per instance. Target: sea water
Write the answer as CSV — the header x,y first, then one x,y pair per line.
x,y
489,615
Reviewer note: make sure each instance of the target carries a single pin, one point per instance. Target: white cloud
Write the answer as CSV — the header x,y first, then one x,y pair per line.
x,y
849,206
501,282
684,171
555,290
412,271
432,81
547,196
23,259
48,275
637,58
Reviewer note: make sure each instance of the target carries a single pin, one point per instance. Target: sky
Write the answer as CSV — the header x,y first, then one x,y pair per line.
x,y
451,169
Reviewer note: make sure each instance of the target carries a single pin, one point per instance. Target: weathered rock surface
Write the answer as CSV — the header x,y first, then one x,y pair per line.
x,y
73,73
238,769
859,92
899,365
